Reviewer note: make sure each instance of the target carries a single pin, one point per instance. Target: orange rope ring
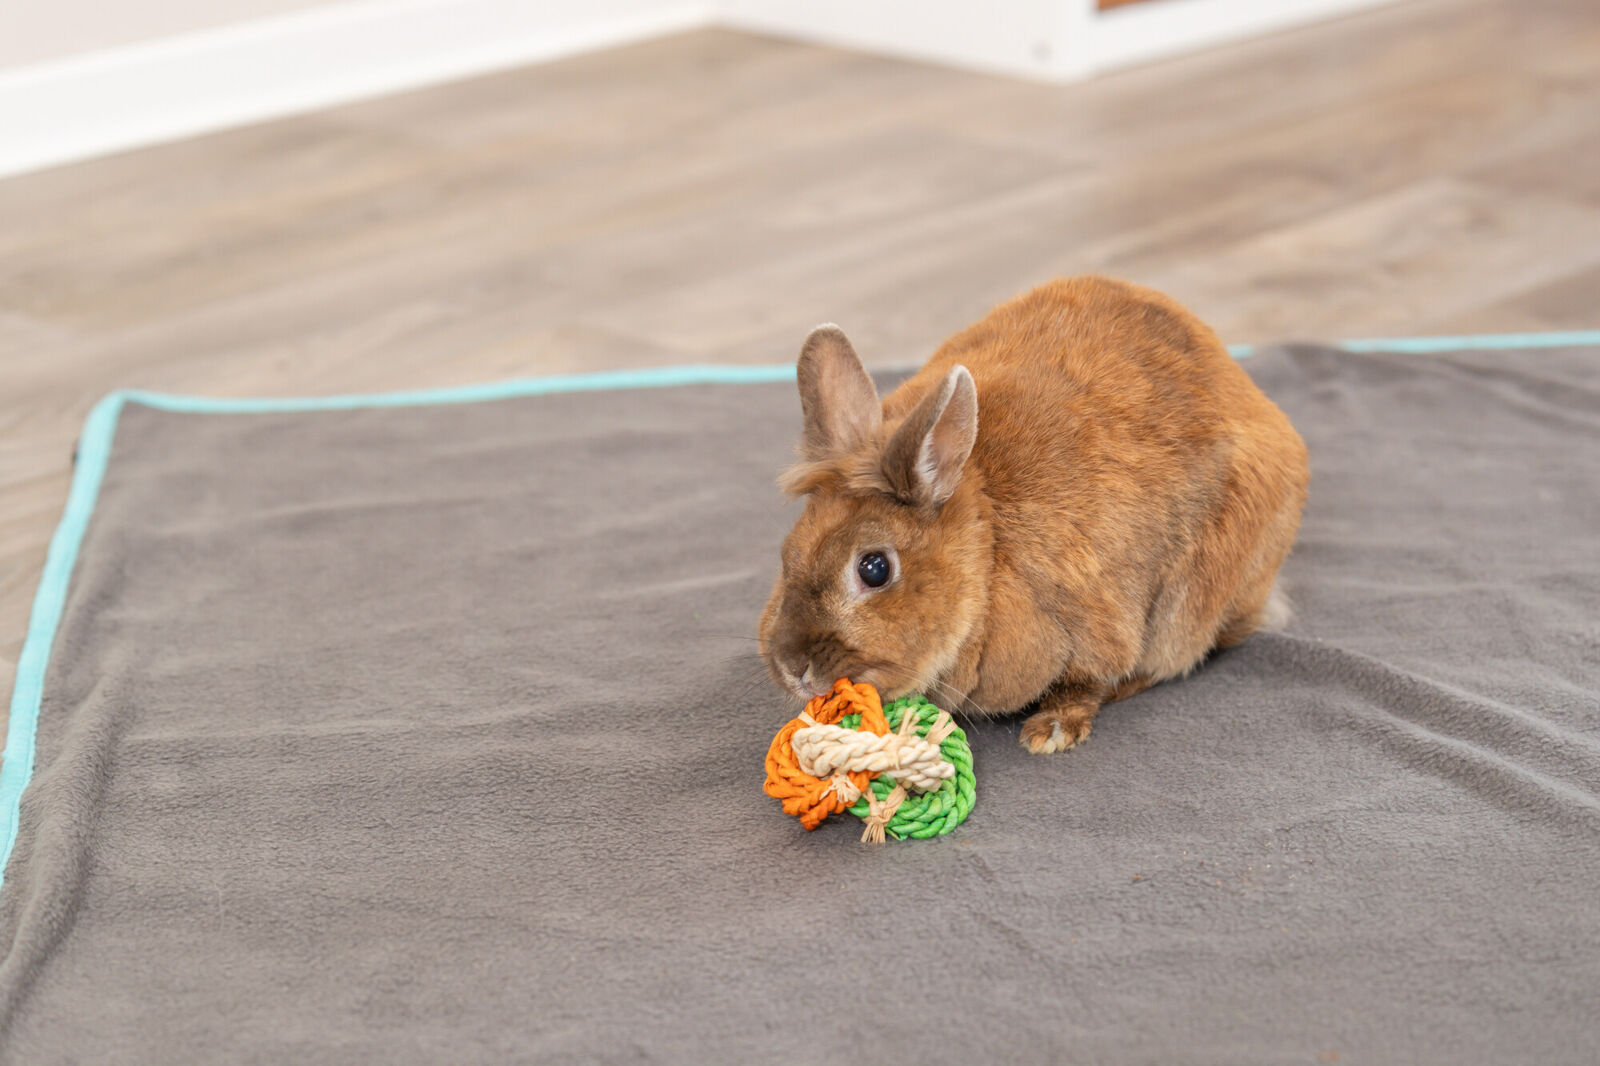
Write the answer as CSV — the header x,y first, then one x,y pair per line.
x,y
809,798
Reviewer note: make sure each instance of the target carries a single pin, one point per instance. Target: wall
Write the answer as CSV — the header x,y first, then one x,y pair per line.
x,y
32,31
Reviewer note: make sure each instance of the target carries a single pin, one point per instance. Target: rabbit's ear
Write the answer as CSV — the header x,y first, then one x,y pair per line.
x,y
837,396
924,458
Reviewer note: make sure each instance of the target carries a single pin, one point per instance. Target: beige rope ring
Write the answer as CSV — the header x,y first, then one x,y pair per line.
x,y
916,762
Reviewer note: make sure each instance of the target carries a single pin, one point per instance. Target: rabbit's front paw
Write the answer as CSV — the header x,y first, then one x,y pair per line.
x,y
1056,730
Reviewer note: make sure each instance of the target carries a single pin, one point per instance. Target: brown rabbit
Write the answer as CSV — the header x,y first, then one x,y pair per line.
x,y
1077,497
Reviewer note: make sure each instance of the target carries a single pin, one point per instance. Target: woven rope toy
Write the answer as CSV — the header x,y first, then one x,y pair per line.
x,y
904,769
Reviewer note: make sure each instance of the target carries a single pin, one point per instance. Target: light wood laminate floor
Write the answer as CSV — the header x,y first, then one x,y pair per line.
x,y
1431,166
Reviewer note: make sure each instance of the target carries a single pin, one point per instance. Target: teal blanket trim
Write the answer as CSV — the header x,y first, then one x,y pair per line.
x,y
94,450
655,378
1477,342
1481,342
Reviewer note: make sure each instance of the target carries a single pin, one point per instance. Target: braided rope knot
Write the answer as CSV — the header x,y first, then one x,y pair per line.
x,y
905,769
916,762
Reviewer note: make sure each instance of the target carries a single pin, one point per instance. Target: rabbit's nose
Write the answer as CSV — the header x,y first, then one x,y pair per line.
x,y
809,682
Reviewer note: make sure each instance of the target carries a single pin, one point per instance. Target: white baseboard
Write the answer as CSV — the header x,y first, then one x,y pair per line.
x,y
1020,38
1049,40
176,87
1138,33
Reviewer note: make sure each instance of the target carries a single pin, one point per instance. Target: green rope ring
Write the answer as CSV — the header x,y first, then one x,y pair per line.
x,y
924,814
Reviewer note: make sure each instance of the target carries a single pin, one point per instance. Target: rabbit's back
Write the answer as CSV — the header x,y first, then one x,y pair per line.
x,y
1145,492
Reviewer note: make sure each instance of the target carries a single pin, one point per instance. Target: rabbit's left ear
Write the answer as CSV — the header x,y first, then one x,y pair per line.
x,y
837,396
924,458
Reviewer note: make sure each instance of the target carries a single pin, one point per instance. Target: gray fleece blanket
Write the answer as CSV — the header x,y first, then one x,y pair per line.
x,y
435,734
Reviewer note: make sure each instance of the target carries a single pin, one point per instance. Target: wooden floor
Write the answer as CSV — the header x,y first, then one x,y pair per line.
x,y
1432,166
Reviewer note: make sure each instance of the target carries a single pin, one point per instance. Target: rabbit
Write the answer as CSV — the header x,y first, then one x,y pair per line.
x,y
1077,497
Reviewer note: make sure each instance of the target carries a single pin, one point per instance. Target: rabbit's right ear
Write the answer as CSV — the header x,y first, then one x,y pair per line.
x,y
836,394
924,458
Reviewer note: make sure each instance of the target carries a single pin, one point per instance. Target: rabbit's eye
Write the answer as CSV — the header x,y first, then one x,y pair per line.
x,y
873,568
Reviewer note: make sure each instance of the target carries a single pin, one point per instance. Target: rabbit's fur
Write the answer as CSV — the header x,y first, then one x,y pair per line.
x,y
1079,496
